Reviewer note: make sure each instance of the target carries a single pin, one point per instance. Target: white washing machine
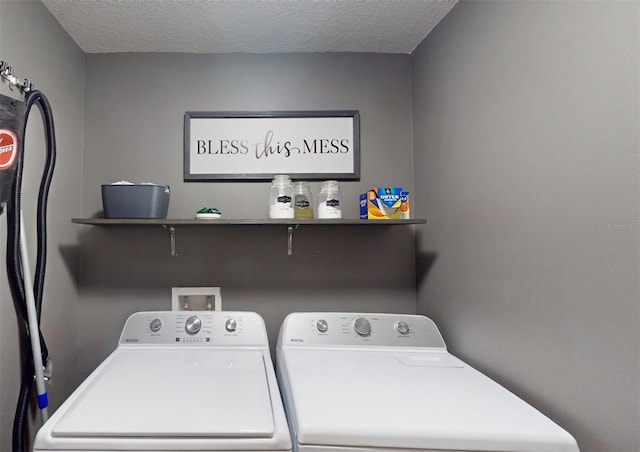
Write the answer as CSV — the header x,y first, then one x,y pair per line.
x,y
177,381
382,382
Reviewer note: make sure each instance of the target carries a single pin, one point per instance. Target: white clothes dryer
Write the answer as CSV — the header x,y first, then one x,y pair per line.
x,y
179,381
385,382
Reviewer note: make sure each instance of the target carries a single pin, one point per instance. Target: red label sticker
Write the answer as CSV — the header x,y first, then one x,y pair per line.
x,y
8,148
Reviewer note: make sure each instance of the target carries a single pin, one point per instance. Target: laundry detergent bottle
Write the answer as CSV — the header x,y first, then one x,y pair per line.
x,y
330,200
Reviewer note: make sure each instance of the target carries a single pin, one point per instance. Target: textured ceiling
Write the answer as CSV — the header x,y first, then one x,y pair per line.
x,y
248,26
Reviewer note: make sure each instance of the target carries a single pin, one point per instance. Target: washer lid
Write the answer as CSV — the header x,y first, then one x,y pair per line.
x,y
174,393
414,400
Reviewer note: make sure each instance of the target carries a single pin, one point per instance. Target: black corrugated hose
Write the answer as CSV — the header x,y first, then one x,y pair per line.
x,y
14,264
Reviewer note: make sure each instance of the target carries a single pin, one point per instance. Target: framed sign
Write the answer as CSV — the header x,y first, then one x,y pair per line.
x,y
257,145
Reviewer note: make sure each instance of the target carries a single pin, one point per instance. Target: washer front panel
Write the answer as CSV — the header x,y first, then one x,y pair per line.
x,y
197,328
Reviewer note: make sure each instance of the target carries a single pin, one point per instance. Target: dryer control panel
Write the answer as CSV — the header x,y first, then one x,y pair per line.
x,y
195,328
359,329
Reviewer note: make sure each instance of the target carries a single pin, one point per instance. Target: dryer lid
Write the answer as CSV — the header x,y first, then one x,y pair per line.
x,y
174,393
408,399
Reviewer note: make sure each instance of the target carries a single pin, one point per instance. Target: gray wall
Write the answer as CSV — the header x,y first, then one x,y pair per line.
x,y
134,130
37,47
526,166
525,123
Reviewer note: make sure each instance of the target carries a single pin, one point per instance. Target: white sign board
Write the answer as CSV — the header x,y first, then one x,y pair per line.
x,y
248,145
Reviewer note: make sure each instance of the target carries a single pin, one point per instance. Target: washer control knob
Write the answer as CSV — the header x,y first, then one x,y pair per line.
x,y
322,325
155,325
193,324
402,327
230,325
362,326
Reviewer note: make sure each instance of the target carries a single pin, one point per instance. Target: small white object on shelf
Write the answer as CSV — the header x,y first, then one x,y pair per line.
x,y
208,213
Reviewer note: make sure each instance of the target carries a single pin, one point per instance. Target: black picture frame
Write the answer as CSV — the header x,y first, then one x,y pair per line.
x,y
242,145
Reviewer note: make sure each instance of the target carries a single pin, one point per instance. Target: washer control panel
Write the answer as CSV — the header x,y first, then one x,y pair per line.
x,y
194,328
356,329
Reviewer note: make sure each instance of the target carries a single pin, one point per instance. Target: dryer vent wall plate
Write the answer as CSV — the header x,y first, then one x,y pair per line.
x,y
196,299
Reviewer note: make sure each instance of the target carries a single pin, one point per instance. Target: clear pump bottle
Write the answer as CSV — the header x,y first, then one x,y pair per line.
x,y
281,197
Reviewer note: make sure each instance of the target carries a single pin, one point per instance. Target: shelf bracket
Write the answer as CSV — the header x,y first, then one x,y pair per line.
x,y
290,239
172,239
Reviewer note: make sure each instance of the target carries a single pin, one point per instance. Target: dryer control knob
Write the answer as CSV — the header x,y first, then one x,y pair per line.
x,y
362,326
402,327
193,324
155,325
322,325
230,325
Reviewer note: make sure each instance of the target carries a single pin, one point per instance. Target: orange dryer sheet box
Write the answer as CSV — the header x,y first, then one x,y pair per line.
x,y
385,203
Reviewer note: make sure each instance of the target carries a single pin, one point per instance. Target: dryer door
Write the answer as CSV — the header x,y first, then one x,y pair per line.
x,y
174,393
418,400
